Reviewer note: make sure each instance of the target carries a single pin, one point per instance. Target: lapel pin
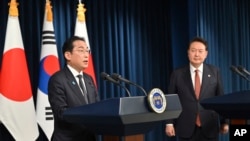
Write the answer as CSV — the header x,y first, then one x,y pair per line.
x,y
209,75
73,82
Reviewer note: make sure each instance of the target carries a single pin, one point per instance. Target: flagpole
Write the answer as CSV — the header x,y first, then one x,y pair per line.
x,y
81,31
13,11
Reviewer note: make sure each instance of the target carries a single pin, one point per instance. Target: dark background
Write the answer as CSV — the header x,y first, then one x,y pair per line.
x,y
143,40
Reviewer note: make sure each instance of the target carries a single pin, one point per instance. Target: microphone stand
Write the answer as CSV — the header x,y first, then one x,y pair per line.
x,y
107,77
118,77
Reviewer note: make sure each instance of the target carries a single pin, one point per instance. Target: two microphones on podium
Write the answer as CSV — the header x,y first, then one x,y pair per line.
x,y
241,71
117,79
155,99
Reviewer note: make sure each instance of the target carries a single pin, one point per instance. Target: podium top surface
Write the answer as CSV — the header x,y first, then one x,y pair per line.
x,y
239,97
122,110
126,115
232,105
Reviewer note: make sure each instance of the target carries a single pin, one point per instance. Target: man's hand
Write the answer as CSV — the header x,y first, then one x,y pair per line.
x,y
224,128
169,130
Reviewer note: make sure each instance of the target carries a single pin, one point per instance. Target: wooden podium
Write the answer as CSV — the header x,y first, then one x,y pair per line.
x,y
123,119
234,106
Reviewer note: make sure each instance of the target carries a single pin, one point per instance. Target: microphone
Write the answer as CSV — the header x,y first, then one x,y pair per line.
x,y
236,70
107,77
242,69
118,77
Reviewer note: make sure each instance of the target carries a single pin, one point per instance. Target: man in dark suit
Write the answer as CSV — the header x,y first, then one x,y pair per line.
x,y
65,91
196,123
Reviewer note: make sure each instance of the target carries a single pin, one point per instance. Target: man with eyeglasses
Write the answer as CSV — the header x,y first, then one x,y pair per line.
x,y
71,87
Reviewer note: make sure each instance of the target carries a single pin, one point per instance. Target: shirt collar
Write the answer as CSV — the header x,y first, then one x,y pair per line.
x,y
200,68
73,71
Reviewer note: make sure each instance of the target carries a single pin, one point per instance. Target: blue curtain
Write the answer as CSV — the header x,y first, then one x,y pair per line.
x,y
143,40
225,25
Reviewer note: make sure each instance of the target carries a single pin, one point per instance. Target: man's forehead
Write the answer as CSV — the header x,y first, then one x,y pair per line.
x,y
81,47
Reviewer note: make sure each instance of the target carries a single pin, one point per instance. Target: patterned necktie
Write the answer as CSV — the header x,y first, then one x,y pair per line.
x,y
84,91
197,89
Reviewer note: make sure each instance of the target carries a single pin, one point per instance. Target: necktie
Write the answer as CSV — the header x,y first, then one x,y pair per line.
x,y
197,86
197,89
84,91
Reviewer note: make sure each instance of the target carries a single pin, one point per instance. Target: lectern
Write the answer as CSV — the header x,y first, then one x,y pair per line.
x,y
234,105
123,119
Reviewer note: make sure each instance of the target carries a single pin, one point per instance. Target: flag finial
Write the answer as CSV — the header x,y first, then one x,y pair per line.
x,y
49,11
13,11
81,12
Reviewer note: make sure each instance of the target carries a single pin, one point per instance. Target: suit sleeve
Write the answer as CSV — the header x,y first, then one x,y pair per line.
x,y
171,90
57,97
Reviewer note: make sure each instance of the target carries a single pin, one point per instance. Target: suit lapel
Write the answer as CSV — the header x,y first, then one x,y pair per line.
x,y
205,79
73,84
188,81
89,86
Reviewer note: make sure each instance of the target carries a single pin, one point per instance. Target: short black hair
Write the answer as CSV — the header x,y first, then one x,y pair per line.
x,y
68,44
199,39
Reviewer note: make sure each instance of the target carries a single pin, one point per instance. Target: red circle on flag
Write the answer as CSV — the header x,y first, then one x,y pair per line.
x,y
51,64
15,80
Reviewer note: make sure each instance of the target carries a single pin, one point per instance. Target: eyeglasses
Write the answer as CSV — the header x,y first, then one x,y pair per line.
x,y
82,51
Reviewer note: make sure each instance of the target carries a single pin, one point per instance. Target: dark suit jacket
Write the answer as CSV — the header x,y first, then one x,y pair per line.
x,y
181,84
63,93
